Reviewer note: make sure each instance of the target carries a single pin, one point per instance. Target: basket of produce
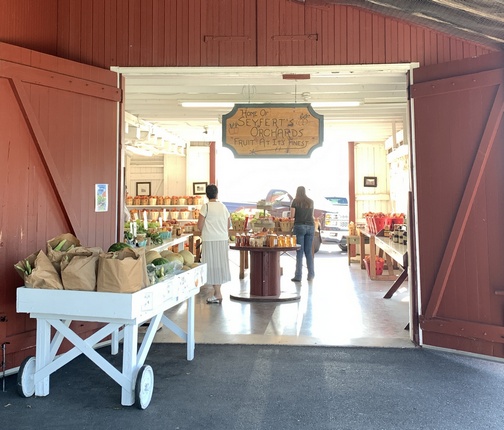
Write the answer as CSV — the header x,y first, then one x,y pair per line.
x,y
141,239
286,225
239,221
238,225
380,221
165,234
379,264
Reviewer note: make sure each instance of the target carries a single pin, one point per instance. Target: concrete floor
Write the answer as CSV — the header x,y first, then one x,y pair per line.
x,y
340,307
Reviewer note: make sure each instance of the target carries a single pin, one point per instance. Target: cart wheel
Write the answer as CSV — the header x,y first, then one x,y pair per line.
x,y
25,380
144,386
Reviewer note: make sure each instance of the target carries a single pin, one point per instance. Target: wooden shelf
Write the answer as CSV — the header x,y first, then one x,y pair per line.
x,y
162,206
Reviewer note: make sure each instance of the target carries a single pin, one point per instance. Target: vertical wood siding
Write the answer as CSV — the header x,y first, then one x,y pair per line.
x,y
458,115
197,33
31,24
244,33
59,139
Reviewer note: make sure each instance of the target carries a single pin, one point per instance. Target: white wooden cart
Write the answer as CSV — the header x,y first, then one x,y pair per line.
x,y
122,313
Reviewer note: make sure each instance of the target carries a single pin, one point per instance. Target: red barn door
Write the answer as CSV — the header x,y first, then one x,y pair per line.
x,y
59,138
459,203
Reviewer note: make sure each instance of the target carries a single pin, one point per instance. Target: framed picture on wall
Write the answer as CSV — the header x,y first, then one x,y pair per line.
x,y
143,188
199,187
370,181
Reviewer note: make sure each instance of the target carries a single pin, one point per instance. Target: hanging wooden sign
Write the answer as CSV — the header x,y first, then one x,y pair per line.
x,y
272,130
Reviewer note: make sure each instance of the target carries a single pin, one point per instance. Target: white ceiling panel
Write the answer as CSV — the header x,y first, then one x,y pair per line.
x,y
155,95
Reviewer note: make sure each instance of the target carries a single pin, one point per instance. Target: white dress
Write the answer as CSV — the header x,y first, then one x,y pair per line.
x,y
215,239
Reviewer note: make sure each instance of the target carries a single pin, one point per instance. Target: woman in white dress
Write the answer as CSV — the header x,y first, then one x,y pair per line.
x,y
213,223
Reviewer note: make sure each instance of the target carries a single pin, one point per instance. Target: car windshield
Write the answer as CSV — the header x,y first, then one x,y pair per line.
x,y
338,200
282,198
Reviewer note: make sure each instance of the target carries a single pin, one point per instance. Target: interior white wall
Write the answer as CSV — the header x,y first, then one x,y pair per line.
x,y
198,166
371,160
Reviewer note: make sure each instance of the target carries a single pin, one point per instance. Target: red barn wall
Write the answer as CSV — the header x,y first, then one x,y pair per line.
x,y
31,24
198,33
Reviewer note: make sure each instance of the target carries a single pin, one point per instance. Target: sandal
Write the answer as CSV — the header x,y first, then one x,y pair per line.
x,y
214,300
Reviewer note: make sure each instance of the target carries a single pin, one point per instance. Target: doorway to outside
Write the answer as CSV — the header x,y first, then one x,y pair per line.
x,y
380,90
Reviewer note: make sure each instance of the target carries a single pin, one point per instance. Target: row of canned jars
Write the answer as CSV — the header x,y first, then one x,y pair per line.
x,y
270,240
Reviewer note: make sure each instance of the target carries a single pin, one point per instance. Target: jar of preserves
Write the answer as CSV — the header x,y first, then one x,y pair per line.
x,y
281,240
272,240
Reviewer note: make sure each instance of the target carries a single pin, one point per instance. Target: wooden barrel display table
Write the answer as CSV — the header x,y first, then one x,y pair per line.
x,y
265,274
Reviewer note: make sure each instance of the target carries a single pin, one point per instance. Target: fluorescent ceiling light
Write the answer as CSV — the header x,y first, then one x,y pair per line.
x,y
335,104
230,105
207,104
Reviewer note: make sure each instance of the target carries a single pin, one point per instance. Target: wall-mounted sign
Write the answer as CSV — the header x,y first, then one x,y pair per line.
x,y
272,130
101,197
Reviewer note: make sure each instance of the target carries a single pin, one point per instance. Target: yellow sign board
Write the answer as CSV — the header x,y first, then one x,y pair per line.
x,y
272,130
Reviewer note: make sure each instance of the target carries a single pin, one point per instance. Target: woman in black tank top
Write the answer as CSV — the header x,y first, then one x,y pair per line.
x,y
304,229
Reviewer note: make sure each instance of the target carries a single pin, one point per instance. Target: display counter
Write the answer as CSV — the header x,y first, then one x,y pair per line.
x,y
265,274
178,241
393,252
122,313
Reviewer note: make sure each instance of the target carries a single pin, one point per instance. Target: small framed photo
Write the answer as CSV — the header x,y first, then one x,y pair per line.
x,y
199,187
143,188
370,181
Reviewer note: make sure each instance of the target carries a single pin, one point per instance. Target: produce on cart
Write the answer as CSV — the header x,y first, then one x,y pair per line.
x,y
121,296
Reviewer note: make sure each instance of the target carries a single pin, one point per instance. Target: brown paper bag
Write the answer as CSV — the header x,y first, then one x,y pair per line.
x,y
43,274
79,268
122,271
56,254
